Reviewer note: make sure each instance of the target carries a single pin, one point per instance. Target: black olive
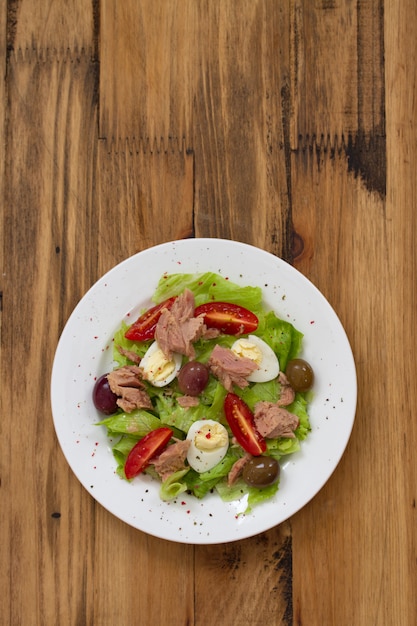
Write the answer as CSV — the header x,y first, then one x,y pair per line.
x,y
300,374
193,378
261,471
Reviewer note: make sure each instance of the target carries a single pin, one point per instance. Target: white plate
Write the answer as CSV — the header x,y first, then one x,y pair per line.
x,y
84,352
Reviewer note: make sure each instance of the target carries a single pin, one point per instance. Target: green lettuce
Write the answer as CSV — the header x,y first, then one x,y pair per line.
x,y
139,422
255,495
208,286
284,339
173,485
133,346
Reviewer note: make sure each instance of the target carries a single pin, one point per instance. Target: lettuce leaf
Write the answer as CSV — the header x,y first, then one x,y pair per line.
x,y
173,485
208,286
126,344
173,415
255,495
282,337
299,408
139,422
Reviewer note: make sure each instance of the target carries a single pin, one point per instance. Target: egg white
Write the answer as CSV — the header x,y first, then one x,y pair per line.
x,y
264,356
204,460
157,369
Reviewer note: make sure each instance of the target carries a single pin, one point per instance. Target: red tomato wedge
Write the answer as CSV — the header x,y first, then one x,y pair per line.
x,y
141,453
144,327
241,421
230,319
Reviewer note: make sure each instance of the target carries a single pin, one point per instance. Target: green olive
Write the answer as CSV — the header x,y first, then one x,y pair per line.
x,y
261,471
300,374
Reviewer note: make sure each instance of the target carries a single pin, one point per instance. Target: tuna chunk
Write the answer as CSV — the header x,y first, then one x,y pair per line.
x,y
177,329
126,383
129,354
134,399
187,401
287,394
237,469
229,368
171,459
273,421
127,376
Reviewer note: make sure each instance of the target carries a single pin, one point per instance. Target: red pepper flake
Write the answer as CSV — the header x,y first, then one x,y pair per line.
x,y
312,322
183,503
188,511
208,436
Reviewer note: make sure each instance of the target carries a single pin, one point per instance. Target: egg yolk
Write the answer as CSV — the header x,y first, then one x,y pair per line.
x,y
245,348
210,436
158,367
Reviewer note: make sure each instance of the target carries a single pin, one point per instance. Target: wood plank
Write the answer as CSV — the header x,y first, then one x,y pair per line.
x,y
337,71
401,218
226,106
256,578
343,265
3,56
141,185
370,569
5,455
241,130
147,61
53,27
51,129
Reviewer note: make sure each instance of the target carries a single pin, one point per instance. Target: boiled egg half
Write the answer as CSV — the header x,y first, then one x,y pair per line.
x,y
257,350
157,369
209,444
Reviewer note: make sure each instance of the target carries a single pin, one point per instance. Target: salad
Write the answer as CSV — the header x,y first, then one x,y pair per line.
x,y
208,392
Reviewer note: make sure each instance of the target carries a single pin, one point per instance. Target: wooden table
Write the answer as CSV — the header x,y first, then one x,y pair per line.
x,y
288,125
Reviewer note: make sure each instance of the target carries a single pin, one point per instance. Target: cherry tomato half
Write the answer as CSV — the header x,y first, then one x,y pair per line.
x,y
241,421
141,453
144,327
230,319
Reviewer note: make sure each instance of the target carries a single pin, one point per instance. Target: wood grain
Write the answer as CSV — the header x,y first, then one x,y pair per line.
x,y
287,125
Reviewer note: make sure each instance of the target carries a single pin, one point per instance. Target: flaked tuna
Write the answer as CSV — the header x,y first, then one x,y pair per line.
x,y
229,368
177,328
171,459
129,354
273,421
237,468
126,383
187,401
287,393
